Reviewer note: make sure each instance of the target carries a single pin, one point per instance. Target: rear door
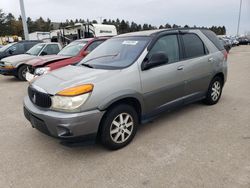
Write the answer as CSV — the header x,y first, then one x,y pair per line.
x,y
197,65
163,84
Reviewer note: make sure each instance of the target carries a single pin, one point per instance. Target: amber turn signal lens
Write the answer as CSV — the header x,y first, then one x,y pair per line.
x,y
9,67
78,90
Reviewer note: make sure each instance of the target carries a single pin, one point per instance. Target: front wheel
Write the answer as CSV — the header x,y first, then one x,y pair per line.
x,y
214,91
119,126
21,72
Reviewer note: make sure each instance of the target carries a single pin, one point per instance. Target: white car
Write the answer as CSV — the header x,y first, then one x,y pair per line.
x,y
16,65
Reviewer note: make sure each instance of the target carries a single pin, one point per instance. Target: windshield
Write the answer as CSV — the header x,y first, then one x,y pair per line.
x,y
116,53
35,50
73,48
7,46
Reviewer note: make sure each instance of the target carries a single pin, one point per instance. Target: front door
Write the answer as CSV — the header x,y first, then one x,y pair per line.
x,y
164,84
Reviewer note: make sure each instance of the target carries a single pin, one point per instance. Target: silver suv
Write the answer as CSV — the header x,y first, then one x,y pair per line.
x,y
128,80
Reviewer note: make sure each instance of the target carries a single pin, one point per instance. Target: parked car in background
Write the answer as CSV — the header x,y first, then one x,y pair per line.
x,y
16,65
127,80
69,55
244,41
16,48
227,45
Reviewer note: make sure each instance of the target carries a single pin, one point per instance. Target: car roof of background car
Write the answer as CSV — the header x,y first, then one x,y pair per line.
x,y
29,41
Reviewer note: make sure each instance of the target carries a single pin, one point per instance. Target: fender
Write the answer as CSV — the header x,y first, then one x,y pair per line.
x,y
119,96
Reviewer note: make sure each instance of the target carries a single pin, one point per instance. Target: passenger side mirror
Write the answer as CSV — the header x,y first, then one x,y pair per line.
x,y
44,53
156,60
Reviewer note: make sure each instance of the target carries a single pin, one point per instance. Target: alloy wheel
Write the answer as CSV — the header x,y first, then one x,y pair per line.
x,y
216,90
121,128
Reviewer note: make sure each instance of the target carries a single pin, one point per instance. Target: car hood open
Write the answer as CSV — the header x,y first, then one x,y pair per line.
x,y
71,76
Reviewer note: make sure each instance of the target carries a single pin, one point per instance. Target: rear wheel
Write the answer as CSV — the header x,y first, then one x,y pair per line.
x,y
21,72
214,91
119,126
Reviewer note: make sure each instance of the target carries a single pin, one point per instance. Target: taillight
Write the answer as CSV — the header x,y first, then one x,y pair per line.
x,y
225,54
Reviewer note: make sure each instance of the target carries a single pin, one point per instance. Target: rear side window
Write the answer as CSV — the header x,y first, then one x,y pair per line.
x,y
28,45
168,45
213,38
193,46
19,48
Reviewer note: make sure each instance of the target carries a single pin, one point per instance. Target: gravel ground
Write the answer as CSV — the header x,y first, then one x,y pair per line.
x,y
196,146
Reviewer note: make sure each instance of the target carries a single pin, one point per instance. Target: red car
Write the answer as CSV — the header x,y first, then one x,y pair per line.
x,y
69,55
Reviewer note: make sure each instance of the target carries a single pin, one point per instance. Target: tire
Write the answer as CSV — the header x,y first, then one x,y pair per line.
x,y
21,72
214,91
123,133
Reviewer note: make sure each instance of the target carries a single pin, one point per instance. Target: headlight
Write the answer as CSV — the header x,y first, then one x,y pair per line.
x,y
72,98
69,103
41,71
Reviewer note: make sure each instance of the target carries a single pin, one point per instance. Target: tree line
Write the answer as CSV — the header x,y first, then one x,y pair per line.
x,y
9,25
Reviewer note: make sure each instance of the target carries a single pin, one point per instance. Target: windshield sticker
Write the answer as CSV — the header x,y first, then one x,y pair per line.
x,y
130,42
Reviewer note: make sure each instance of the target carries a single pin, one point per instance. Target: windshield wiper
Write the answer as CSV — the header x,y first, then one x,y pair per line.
x,y
87,65
100,57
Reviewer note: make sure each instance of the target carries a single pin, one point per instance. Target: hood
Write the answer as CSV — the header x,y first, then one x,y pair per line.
x,y
64,62
41,60
71,76
16,59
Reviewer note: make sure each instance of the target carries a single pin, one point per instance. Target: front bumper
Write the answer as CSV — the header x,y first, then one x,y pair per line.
x,y
66,126
7,72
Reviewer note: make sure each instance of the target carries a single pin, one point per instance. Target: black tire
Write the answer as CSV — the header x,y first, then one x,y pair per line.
x,y
21,72
213,94
107,126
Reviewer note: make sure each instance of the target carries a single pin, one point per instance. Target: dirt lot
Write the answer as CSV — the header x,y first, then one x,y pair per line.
x,y
196,146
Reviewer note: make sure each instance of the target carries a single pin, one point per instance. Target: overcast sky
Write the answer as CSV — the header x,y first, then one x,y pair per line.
x,y
155,12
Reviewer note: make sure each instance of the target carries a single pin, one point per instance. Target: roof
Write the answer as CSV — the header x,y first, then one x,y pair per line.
x,y
30,41
156,31
89,39
83,40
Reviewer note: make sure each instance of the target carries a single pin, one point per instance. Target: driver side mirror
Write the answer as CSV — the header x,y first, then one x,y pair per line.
x,y
156,60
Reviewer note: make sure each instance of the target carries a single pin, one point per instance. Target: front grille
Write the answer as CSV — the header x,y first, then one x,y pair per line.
x,y
38,98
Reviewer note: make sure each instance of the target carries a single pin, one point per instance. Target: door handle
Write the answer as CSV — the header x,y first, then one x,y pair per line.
x,y
180,67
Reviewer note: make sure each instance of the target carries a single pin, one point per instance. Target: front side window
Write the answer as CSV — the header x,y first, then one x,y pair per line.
x,y
168,45
35,50
193,46
116,53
